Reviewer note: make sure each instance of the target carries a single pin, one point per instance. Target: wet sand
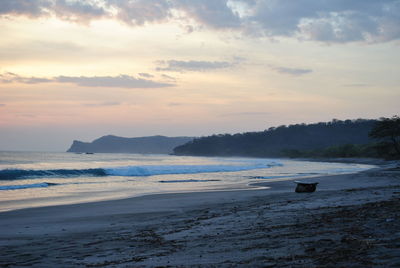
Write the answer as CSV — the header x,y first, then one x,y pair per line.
x,y
350,221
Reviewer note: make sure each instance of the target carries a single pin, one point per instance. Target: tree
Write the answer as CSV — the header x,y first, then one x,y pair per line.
x,y
388,131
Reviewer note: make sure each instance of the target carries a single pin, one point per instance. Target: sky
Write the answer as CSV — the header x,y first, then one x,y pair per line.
x,y
78,70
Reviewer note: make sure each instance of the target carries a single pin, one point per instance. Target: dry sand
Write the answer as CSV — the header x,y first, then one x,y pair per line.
x,y
350,221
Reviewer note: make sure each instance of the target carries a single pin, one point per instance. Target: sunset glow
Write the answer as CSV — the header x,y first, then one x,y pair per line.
x,y
82,69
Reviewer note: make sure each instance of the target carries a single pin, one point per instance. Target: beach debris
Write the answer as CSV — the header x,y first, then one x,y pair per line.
x,y
305,187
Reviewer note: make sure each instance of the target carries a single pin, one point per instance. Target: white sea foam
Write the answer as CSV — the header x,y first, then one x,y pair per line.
x,y
24,186
27,180
183,181
185,169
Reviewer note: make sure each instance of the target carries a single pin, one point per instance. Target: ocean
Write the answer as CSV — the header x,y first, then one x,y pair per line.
x,y
34,179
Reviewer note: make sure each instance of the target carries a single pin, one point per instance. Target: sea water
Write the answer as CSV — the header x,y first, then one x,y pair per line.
x,y
33,179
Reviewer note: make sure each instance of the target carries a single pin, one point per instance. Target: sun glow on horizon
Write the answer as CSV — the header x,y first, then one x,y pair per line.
x,y
133,68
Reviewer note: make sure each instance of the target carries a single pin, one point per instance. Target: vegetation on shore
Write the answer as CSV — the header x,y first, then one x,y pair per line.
x,y
349,138
387,131
339,151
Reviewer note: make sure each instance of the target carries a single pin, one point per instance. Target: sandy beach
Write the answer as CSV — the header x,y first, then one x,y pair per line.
x,y
351,220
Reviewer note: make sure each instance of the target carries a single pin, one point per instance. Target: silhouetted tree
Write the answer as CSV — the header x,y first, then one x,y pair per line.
x,y
286,140
388,131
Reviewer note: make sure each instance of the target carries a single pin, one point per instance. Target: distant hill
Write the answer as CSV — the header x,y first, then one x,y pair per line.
x,y
142,145
281,141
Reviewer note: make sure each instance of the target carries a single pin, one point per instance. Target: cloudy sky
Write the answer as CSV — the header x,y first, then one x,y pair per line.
x,y
82,69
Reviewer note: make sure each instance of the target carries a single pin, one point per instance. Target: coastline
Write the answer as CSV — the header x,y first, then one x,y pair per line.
x,y
131,177
261,227
351,160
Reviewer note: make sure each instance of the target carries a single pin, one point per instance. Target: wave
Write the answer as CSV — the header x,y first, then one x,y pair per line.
x,y
26,186
15,174
130,171
288,175
191,180
182,169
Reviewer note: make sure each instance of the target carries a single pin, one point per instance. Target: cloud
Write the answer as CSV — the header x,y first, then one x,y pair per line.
x,y
357,85
192,65
2,105
338,21
213,13
147,75
121,81
77,11
102,104
246,114
25,115
139,12
12,77
168,77
34,8
189,29
172,104
291,71
328,21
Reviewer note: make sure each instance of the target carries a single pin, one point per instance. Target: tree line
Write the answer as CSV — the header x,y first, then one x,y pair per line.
x,y
337,138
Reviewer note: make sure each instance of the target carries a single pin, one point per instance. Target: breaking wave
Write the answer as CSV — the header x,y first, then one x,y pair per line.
x,y
26,186
182,169
191,180
16,174
132,171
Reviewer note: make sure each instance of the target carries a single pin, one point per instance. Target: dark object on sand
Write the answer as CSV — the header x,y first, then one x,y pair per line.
x,y
306,187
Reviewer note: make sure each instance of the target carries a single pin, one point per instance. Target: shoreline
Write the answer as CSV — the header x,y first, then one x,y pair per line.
x,y
222,228
220,188
11,205
279,184
368,161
